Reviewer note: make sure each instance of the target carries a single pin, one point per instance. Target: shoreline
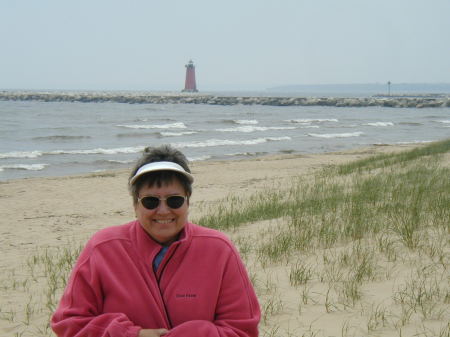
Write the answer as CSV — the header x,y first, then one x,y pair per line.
x,y
419,101
374,149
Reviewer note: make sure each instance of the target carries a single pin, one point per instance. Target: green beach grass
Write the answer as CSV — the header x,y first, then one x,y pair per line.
x,y
397,180
329,240
362,221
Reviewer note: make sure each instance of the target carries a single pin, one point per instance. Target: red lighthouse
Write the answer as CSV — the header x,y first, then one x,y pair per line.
x,y
190,85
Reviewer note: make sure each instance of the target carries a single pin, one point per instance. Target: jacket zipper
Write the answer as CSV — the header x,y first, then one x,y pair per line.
x,y
158,280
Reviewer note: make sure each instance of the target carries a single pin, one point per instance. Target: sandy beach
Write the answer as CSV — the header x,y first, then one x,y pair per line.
x,y
40,214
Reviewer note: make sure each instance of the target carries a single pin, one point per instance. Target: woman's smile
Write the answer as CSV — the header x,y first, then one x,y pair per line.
x,y
161,221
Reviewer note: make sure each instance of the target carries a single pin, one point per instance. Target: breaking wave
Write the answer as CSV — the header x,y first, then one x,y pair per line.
x,y
229,142
178,125
21,154
249,128
245,154
118,150
26,167
309,121
241,121
112,161
246,121
414,142
336,135
380,124
200,158
36,154
445,122
175,134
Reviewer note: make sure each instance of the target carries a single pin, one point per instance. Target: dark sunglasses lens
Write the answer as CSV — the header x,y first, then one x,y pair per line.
x,y
150,202
175,201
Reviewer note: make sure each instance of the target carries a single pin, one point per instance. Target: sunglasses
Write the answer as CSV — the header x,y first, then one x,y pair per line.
x,y
151,202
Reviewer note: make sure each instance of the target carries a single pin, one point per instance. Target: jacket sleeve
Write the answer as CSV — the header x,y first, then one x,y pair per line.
x,y
237,311
79,312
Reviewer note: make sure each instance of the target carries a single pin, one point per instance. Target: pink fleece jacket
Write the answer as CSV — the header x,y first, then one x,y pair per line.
x,y
201,288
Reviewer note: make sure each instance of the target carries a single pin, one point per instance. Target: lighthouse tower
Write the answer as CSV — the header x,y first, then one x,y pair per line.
x,y
190,85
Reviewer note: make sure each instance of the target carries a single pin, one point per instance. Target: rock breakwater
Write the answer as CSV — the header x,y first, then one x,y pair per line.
x,y
142,98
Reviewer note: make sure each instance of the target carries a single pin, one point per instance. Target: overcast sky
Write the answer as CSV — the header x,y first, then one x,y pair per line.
x,y
235,44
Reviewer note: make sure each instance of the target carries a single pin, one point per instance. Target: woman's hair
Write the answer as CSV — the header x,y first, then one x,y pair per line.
x,y
159,178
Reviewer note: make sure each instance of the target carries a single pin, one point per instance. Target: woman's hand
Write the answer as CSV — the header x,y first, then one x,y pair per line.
x,y
152,332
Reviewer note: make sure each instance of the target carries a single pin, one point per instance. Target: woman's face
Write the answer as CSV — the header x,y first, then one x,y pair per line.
x,y
163,223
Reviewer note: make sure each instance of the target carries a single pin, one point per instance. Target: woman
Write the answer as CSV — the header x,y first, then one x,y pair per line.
x,y
160,274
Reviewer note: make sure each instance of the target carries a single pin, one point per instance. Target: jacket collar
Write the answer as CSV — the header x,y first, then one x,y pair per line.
x,y
148,248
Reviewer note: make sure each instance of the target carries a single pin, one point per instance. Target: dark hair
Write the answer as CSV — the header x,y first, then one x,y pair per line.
x,y
159,178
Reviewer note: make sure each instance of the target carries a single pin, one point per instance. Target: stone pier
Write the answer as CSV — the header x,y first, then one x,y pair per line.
x,y
423,101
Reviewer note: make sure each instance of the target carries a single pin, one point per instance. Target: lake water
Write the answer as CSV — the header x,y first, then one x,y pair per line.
x,y
63,138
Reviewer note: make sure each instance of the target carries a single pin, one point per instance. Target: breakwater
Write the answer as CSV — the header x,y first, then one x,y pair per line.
x,y
142,98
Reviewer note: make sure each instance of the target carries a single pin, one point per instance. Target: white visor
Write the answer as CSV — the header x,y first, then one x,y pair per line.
x,y
161,166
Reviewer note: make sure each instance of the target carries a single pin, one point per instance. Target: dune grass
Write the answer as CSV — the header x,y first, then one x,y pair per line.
x,y
390,208
46,274
385,160
411,185
329,210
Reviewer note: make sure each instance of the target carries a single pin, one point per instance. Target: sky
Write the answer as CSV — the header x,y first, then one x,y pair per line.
x,y
235,44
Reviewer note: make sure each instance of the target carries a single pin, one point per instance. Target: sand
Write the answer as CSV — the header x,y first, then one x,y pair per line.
x,y
40,213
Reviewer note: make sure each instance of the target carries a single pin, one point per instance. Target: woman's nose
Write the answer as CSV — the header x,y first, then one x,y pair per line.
x,y
162,207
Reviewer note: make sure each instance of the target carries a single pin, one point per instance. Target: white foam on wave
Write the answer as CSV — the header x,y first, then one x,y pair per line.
x,y
175,134
120,161
336,135
380,124
444,122
229,142
135,149
249,128
178,125
21,154
200,158
35,154
309,120
246,121
27,167
244,154
415,142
